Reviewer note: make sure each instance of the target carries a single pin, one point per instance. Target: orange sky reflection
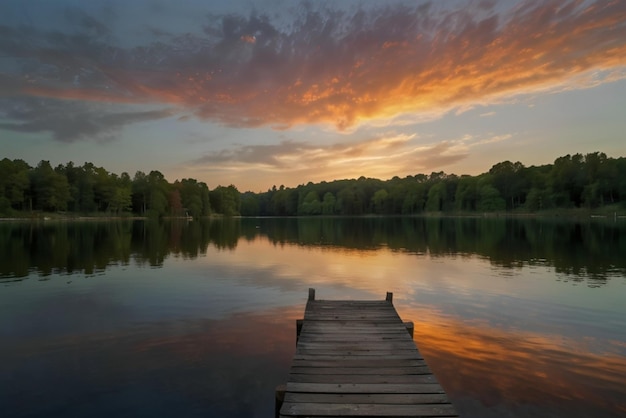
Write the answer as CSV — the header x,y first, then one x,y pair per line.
x,y
498,366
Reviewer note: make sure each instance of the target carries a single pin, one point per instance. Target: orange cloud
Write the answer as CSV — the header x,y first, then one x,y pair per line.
x,y
344,70
248,38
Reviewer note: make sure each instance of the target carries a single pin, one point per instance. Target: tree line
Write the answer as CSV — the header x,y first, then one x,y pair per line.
x,y
89,189
572,181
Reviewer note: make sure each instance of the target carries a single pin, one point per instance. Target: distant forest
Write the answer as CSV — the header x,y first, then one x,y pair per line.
x,y
573,181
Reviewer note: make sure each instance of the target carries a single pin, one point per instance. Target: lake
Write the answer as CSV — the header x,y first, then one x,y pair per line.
x,y
516,317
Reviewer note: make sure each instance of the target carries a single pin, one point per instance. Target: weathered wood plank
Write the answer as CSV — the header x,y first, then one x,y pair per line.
x,y
349,361
361,326
332,310
357,319
365,355
360,370
366,324
364,333
353,330
376,410
361,378
350,331
370,398
336,345
364,387
314,310
371,325
351,338
333,303
349,310
335,350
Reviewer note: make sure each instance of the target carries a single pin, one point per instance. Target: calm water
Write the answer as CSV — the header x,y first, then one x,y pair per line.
x,y
516,317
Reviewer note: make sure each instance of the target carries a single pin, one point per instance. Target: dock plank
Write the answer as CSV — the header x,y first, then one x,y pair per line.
x,y
361,378
375,410
356,358
375,398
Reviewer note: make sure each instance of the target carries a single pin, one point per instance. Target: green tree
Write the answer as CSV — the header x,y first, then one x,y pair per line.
x,y
351,200
140,192
191,195
380,203
490,199
104,188
225,200
250,204
311,204
50,189
567,180
414,199
158,189
280,202
537,199
121,201
14,183
204,198
82,181
437,195
466,196
328,204
510,181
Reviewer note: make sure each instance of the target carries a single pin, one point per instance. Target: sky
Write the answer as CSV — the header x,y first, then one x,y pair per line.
x,y
261,93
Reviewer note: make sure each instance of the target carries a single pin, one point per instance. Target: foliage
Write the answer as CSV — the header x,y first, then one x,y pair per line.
x,y
225,200
588,181
579,181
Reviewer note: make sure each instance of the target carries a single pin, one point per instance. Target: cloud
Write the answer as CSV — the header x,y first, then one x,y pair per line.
x,y
328,66
493,139
434,157
70,121
384,156
291,153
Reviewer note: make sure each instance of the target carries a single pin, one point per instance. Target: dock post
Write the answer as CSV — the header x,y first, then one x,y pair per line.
x,y
409,327
389,297
299,323
311,293
280,399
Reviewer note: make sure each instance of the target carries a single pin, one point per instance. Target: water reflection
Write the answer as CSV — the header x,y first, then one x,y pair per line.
x,y
499,372
195,367
589,251
92,246
210,332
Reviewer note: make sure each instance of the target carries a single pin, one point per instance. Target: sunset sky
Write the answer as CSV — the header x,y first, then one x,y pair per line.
x,y
260,93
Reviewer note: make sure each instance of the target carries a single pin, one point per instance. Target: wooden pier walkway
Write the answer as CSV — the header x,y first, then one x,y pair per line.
x,y
356,358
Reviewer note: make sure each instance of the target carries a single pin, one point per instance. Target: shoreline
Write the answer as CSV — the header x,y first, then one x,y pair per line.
x,y
609,213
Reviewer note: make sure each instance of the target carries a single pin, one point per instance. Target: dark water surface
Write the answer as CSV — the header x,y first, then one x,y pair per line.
x,y
517,318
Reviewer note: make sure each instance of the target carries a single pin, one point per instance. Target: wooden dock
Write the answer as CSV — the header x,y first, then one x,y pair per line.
x,y
357,358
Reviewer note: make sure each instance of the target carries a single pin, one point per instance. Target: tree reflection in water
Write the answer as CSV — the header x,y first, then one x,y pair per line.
x,y
590,251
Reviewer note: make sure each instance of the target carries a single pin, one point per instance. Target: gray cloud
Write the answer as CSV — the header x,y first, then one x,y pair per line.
x,y
267,155
70,121
434,157
397,153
